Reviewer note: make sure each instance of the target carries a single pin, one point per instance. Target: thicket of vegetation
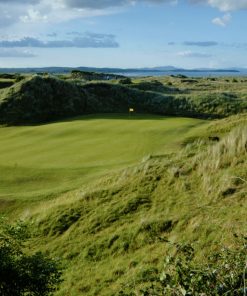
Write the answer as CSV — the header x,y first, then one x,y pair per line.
x,y
22,274
44,98
222,273
88,76
6,83
41,99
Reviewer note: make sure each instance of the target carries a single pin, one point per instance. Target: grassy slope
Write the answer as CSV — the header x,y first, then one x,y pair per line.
x,y
112,234
39,162
223,95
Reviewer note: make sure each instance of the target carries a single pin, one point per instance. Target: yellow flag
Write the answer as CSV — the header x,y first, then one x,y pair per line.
x,y
131,110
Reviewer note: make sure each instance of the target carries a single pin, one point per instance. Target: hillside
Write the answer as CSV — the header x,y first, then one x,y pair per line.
x,y
39,99
109,193
36,99
113,234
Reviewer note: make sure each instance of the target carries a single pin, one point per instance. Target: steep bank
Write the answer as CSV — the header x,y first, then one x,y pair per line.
x,y
114,235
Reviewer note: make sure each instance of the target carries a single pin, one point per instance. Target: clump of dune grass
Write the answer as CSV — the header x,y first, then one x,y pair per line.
x,y
227,151
225,157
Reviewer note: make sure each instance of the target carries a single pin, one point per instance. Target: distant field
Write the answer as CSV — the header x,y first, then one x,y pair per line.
x,y
38,162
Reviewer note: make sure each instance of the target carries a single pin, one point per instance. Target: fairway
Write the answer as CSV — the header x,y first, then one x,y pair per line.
x,y
38,162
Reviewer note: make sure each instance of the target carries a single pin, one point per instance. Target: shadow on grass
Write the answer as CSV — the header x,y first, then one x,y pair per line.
x,y
107,116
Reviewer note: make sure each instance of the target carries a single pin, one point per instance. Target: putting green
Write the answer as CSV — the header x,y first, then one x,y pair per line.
x,y
42,161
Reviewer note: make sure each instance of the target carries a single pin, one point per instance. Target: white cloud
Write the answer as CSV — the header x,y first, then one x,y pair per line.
x,y
55,11
200,43
99,4
228,5
44,11
33,16
85,40
191,54
224,5
222,21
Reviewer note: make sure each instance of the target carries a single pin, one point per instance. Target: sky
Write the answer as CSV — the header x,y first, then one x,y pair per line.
x,y
123,33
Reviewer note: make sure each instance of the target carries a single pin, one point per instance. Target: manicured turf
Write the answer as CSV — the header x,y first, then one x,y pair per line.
x,y
42,161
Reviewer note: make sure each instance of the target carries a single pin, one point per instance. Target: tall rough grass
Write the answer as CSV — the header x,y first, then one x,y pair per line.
x,y
226,152
229,152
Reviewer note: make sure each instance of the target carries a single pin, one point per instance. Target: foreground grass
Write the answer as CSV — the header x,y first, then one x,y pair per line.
x,y
40,162
113,234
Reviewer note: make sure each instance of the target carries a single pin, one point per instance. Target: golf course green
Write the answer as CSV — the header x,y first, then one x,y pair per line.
x,y
38,162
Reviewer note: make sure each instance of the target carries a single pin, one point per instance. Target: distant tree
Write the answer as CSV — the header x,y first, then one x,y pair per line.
x,y
22,274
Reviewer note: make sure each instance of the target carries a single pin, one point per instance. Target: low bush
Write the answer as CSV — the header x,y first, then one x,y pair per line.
x,y
223,273
21,274
6,83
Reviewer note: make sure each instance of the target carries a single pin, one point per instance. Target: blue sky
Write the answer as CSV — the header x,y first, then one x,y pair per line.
x,y
124,33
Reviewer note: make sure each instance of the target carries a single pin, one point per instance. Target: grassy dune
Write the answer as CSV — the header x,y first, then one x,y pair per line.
x,y
109,195
95,200
114,235
38,162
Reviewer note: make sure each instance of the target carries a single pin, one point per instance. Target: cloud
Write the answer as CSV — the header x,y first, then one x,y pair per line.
x,y
43,11
196,43
88,40
20,1
201,43
53,34
101,4
10,13
209,44
191,54
74,33
13,53
55,11
236,45
222,21
224,5
33,16
228,5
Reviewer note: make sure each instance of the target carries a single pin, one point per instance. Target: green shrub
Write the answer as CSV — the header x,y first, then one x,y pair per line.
x,y
6,83
151,86
223,273
125,81
21,274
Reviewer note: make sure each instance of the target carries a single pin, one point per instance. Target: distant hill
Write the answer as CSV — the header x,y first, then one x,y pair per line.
x,y
116,70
